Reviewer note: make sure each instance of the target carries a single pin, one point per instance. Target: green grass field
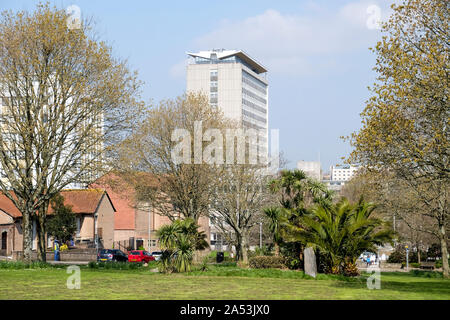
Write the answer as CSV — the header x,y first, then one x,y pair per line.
x,y
217,283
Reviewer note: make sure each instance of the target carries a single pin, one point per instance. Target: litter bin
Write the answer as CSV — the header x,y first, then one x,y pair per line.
x,y
56,250
219,257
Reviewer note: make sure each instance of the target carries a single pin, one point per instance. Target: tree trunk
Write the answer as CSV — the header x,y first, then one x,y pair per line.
x,y
418,253
443,239
27,242
42,239
244,248
277,249
238,251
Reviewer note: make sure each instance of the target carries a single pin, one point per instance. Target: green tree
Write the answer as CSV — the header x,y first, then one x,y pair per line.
x,y
62,223
406,122
66,101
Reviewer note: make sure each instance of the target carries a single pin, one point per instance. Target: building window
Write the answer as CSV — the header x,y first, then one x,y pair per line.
x,y
213,97
213,75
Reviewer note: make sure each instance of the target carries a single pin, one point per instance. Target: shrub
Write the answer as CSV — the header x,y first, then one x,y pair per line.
x,y
398,256
266,250
434,251
426,274
203,266
291,253
414,257
439,263
262,262
350,270
27,265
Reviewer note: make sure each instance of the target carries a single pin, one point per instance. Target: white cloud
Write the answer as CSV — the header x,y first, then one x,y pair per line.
x,y
297,44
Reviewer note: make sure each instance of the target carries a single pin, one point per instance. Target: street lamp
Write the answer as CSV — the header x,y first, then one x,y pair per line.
x,y
149,229
260,234
407,258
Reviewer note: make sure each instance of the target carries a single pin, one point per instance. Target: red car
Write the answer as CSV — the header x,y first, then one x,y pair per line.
x,y
140,256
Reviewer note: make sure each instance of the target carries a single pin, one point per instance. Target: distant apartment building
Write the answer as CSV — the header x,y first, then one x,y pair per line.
x,y
338,176
311,168
343,172
88,157
236,84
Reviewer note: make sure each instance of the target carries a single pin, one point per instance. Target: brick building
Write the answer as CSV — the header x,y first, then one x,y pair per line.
x,y
94,215
136,222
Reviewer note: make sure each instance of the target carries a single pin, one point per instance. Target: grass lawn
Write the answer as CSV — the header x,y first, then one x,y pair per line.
x,y
217,283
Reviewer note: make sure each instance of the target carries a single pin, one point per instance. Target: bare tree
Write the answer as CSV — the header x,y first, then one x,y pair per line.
x,y
66,100
184,186
239,198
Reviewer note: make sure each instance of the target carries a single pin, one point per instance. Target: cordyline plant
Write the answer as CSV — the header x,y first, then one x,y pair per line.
x,y
65,101
179,240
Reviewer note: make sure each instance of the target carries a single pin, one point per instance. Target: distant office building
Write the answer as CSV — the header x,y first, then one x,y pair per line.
x,y
236,84
343,172
334,185
311,168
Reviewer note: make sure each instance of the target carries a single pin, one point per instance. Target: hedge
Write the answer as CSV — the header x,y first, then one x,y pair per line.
x,y
262,262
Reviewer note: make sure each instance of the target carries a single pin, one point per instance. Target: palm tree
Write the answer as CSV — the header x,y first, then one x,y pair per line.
x,y
298,191
274,216
342,232
297,194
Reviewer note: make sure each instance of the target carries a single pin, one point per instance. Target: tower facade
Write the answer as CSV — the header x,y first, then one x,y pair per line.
x,y
235,83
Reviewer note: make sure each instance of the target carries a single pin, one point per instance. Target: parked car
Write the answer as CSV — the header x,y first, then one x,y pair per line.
x,y
140,256
112,255
157,255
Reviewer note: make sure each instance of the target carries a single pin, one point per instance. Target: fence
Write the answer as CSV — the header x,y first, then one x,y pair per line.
x,y
124,245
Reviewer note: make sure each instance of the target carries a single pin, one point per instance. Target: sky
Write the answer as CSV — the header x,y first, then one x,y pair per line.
x,y
316,52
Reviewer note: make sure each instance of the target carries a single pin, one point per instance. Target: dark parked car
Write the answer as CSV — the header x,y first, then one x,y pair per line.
x,y
111,255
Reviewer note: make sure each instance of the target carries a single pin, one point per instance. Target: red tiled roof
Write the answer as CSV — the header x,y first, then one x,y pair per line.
x,y
8,206
122,194
82,201
120,187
